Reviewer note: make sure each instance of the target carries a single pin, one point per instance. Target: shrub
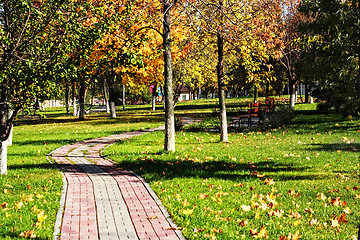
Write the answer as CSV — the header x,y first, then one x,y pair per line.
x,y
282,115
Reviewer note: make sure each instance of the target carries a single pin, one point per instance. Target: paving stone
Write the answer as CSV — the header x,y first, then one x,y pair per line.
x,y
103,202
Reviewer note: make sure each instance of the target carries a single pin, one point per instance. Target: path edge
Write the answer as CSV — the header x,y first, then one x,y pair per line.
x,y
60,212
148,188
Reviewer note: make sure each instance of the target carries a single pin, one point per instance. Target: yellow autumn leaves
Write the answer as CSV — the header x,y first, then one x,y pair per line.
x,y
22,207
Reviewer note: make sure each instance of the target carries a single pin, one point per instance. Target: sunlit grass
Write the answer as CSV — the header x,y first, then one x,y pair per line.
x,y
207,186
30,193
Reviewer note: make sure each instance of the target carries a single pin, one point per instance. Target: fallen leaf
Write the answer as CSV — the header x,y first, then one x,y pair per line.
x,y
4,205
214,230
276,213
295,215
321,196
246,208
18,205
238,184
28,234
335,222
244,223
341,218
174,228
41,216
188,211
198,230
269,181
309,210
261,234
203,196
313,222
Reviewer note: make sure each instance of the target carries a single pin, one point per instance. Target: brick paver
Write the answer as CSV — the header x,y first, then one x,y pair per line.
x,y
103,202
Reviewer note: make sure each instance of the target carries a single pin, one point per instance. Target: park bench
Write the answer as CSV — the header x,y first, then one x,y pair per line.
x,y
269,106
253,112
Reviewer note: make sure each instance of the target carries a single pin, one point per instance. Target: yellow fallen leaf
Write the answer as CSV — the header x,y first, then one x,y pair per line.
x,y
188,211
246,208
321,196
313,222
39,196
269,181
18,205
203,196
335,222
41,216
28,234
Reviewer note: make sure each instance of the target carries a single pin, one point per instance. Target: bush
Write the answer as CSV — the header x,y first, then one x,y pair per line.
x,y
281,116
204,125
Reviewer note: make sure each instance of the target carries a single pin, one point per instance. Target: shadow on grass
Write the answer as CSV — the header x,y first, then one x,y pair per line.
x,y
32,166
333,147
154,170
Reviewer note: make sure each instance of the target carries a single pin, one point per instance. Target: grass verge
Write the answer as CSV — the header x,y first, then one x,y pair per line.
x,y
30,193
301,180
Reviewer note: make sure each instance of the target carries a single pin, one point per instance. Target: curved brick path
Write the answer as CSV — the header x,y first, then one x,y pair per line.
x,y
101,201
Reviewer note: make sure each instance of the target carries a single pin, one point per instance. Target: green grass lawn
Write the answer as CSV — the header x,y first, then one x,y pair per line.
x,y
302,179
30,193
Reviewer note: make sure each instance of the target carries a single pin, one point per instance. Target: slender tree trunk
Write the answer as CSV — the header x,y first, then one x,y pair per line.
x,y
306,92
221,87
255,94
10,138
74,99
67,99
169,101
3,133
82,97
112,98
106,99
154,95
3,157
123,97
292,88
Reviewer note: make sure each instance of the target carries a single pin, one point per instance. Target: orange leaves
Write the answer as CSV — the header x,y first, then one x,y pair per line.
x,y
335,221
269,181
294,215
4,205
337,202
244,223
293,193
203,196
261,234
276,213
28,234
291,236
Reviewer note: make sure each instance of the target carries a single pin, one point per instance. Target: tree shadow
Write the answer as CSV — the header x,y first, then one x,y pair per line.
x,y
154,169
32,166
333,147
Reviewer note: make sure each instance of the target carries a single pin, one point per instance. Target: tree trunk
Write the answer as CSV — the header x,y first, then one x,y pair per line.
x,y
74,99
106,96
221,87
82,97
9,140
306,92
123,97
153,103
255,94
67,99
292,89
3,157
169,101
112,98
